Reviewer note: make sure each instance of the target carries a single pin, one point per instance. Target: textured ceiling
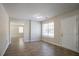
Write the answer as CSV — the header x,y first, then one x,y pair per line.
x,y
37,11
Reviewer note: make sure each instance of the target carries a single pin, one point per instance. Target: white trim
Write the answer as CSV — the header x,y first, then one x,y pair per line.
x,y
52,43
4,50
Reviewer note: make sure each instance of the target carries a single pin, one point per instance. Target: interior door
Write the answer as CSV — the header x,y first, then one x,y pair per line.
x,y
68,26
35,31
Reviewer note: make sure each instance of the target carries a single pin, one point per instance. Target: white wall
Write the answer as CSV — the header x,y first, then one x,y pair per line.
x,y
26,31
32,31
57,40
4,30
68,26
77,33
35,31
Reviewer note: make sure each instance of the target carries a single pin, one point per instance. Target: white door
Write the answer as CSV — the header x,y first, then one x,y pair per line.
x,y
68,26
35,31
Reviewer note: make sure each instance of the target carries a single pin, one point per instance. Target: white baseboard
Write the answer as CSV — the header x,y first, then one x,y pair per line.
x,y
4,50
51,43
60,46
70,49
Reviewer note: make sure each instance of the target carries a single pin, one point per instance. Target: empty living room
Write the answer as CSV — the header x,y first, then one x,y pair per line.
x,y
39,29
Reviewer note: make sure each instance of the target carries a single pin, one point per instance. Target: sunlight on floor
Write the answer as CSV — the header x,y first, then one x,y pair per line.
x,y
21,43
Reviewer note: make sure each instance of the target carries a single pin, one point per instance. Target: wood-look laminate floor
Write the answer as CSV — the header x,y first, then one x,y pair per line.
x,y
19,48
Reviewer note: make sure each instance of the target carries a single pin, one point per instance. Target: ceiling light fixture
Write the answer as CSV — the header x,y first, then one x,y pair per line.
x,y
38,17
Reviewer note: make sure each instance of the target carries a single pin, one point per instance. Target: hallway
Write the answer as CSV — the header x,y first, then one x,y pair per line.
x,y
19,48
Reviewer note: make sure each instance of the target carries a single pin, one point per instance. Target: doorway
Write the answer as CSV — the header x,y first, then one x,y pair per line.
x,y
16,31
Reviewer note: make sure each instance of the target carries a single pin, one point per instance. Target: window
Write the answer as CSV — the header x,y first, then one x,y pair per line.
x,y
20,29
45,29
48,29
51,29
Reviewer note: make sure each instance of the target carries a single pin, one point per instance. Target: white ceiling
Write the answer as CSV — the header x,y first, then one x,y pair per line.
x,y
37,11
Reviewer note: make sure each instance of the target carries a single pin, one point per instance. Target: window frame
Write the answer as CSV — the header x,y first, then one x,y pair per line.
x,y
20,29
52,28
